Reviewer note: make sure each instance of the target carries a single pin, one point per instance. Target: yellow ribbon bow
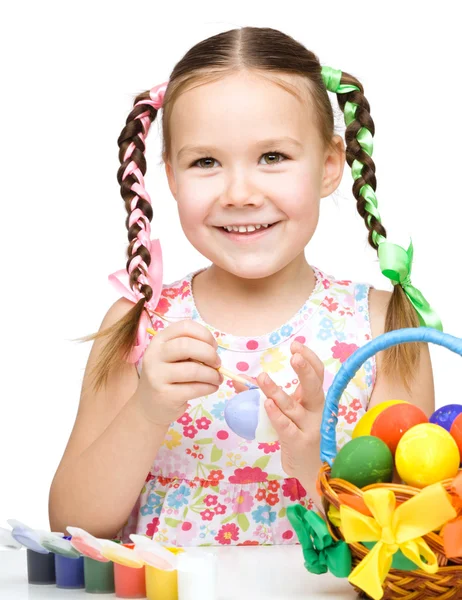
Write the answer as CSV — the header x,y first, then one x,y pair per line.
x,y
394,530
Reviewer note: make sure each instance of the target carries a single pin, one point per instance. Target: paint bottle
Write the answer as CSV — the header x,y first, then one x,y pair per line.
x,y
162,584
129,571
40,562
69,572
197,575
68,562
99,576
40,568
98,570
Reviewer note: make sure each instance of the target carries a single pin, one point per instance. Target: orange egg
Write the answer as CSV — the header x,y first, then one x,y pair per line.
x,y
456,431
363,426
394,421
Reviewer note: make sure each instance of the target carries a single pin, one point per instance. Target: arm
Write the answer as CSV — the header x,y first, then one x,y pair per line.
x,y
422,392
109,453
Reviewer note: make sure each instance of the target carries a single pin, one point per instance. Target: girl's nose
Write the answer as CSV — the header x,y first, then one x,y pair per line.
x,y
240,192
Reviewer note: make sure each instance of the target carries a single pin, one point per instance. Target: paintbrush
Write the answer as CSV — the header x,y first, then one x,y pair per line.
x,y
221,370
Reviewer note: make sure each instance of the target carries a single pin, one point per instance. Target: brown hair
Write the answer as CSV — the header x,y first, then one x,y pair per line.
x,y
267,52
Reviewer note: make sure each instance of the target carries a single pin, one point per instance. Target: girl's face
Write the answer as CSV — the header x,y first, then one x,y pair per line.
x,y
244,151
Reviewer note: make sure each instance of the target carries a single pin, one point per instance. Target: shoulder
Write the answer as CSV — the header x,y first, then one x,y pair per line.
x,y
421,388
117,311
171,299
378,306
359,297
331,283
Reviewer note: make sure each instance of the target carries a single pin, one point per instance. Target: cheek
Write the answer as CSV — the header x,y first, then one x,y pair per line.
x,y
194,197
297,193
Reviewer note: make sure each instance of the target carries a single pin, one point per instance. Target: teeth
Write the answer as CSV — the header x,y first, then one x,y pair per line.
x,y
243,228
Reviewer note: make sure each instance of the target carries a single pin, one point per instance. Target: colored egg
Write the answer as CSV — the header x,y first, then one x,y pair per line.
x,y
363,461
426,454
364,425
456,432
445,415
394,421
241,413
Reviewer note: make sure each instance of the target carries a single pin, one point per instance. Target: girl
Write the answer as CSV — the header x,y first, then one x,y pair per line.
x,y
249,151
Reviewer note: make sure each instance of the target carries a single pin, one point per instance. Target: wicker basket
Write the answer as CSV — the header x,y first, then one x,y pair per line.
x,y
399,585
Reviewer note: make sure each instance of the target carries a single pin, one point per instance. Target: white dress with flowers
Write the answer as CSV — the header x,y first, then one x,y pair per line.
x,y
207,486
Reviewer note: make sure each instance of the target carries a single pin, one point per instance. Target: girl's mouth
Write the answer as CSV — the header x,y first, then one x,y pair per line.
x,y
247,236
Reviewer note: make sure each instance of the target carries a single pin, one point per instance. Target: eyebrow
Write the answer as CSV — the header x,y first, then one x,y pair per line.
x,y
270,142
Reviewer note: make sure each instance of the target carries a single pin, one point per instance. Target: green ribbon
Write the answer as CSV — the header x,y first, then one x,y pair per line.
x,y
320,551
395,261
332,78
396,264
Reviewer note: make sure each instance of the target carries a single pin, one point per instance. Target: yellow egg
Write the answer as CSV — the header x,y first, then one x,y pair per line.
x,y
364,425
426,454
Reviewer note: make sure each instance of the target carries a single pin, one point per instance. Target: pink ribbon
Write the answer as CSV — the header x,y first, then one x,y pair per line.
x,y
156,95
121,282
156,99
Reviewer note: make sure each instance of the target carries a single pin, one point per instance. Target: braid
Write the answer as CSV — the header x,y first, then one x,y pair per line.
x,y
359,134
358,137
122,335
132,189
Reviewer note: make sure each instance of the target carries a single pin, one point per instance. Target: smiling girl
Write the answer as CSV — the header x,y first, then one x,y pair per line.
x,y
249,152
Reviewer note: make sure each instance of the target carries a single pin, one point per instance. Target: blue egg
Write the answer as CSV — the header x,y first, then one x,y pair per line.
x,y
444,416
241,413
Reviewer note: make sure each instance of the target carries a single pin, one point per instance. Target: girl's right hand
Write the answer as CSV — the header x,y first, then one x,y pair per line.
x,y
171,373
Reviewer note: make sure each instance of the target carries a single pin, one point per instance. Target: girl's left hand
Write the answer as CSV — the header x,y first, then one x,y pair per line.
x,y
297,417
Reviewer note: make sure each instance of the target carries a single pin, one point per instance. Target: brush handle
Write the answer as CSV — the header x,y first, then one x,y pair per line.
x,y
222,370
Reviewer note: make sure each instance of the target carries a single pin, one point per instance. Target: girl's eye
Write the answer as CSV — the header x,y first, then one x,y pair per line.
x,y
204,163
269,157
273,157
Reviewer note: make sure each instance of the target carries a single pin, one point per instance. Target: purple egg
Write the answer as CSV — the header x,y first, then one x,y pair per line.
x,y
241,413
444,416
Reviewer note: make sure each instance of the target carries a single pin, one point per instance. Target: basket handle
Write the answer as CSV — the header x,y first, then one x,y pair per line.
x,y
354,362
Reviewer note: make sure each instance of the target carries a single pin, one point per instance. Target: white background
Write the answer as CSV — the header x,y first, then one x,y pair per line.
x,y
70,72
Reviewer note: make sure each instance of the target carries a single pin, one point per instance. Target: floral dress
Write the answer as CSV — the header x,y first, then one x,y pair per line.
x,y
207,486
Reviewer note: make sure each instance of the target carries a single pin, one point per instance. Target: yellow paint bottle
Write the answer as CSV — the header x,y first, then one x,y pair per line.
x,y
162,584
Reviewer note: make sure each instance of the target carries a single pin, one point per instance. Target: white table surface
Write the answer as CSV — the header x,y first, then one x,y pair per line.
x,y
244,573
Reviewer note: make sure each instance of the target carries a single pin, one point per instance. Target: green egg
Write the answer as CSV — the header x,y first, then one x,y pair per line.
x,y
363,461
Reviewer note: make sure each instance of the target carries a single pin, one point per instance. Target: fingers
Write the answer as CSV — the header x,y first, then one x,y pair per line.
x,y
239,387
287,405
284,426
189,391
187,328
192,372
309,356
310,371
187,348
